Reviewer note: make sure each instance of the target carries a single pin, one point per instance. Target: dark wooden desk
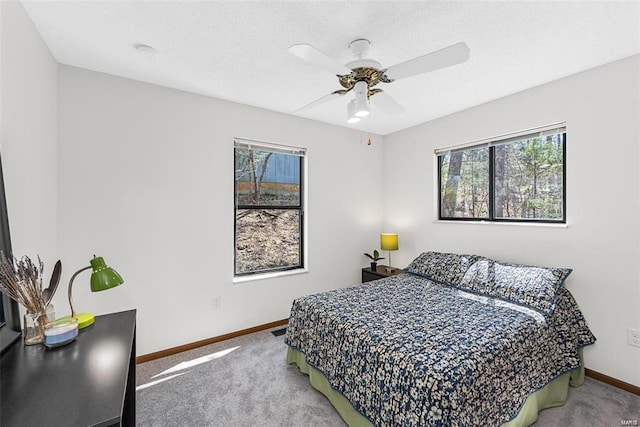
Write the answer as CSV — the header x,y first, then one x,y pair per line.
x,y
89,382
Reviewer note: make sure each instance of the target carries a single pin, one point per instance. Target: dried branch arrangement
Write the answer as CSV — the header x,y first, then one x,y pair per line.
x,y
21,280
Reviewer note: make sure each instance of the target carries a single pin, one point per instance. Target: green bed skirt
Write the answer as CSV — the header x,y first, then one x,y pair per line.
x,y
551,395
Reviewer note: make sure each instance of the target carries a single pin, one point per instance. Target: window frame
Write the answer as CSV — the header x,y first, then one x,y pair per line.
x,y
491,205
301,153
10,330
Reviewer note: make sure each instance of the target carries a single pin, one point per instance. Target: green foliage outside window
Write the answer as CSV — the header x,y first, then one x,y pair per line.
x,y
521,180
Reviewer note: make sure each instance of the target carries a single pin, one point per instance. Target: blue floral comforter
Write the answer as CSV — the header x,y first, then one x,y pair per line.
x,y
406,351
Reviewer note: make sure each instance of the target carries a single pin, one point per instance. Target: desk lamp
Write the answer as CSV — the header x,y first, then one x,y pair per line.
x,y
102,278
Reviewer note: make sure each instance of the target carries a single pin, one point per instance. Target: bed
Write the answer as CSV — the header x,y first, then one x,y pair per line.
x,y
455,340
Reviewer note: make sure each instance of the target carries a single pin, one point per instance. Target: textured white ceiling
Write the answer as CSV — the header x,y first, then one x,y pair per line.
x,y
237,50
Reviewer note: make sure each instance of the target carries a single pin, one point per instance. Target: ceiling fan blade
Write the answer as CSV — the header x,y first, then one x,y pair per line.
x,y
445,57
319,59
386,103
320,101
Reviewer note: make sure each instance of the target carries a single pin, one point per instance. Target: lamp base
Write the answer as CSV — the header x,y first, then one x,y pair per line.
x,y
84,319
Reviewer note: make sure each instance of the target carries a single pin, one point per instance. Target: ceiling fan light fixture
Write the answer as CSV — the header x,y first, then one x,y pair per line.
x,y
362,109
351,112
362,102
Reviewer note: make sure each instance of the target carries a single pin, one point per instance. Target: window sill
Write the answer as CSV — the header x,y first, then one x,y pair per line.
x,y
271,275
8,337
508,224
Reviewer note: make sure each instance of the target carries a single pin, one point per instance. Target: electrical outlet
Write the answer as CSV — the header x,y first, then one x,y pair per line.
x,y
633,337
215,303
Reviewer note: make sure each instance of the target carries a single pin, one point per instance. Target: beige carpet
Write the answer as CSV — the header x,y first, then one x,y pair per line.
x,y
246,382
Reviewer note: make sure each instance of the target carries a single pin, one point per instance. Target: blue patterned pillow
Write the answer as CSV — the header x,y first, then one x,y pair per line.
x,y
447,269
529,286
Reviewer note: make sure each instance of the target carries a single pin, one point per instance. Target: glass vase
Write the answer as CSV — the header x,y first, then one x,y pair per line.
x,y
34,322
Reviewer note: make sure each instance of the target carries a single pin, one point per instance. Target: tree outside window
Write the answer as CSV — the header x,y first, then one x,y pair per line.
x,y
518,179
268,208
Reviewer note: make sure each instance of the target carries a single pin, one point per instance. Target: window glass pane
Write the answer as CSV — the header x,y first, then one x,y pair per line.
x,y
267,239
529,179
464,183
266,178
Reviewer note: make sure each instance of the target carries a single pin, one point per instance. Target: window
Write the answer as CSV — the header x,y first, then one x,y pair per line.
x,y
517,177
269,211
9,313
2,321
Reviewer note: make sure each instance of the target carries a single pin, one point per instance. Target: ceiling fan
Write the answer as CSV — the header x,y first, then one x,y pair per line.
x,y
363,74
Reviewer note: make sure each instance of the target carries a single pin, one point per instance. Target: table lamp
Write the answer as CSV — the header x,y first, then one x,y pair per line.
x,y
102,278
389,242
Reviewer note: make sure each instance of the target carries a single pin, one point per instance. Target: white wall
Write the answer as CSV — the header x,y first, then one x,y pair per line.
x,y
146,180
28,135
601,242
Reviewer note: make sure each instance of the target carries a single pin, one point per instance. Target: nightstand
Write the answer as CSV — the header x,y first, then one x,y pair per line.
x,y
380,273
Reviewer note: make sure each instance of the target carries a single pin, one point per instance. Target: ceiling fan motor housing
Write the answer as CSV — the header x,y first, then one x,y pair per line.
x,y
363,69
372,76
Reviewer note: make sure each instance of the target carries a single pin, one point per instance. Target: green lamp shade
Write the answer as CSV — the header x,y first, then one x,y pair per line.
x,y
103,277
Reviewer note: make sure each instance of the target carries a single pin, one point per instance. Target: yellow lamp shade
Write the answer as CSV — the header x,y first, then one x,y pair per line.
x,y
389,242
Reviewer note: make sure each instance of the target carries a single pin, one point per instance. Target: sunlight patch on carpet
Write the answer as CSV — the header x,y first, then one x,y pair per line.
x,y
194,362
152,383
